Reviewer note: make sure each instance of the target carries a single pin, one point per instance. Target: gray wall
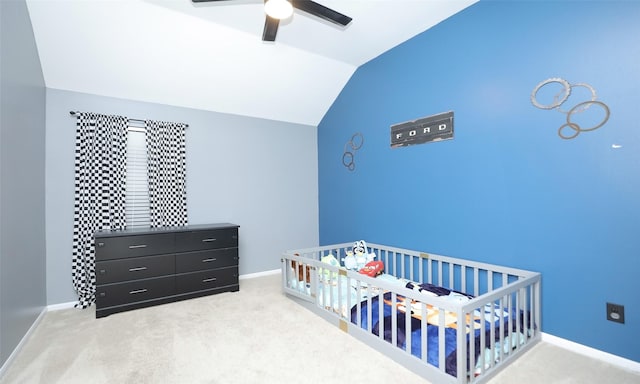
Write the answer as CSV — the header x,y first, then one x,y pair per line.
x,y
259,174
22,189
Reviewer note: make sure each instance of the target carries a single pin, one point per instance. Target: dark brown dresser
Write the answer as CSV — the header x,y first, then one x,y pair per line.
x,y
143,267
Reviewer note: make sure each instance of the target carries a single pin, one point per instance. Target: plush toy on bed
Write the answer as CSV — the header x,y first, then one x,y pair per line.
x,y
372,268
332,261
359,247
358,257
349,260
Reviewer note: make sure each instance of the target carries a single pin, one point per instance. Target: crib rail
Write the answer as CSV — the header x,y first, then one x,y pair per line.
x,y
495,326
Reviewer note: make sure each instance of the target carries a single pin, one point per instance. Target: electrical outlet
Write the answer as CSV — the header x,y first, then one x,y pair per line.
x,y
615,312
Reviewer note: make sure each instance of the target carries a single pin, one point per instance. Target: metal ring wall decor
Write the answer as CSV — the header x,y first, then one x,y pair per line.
x,y
350,148
575,128
589,103
558,99
593,96
561,97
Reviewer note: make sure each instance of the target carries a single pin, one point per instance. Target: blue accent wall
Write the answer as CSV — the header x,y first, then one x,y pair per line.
x,y
507,189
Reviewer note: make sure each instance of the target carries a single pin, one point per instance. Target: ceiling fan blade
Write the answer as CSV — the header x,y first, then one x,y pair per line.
x,y
270,28
321,11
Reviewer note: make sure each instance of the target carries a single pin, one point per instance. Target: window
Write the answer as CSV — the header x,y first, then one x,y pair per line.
x,y
137,190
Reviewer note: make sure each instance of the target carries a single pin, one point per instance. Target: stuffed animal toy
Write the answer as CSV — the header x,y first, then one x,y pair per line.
x,y
349,261
358,257
359,247
372,268
362,259
332,261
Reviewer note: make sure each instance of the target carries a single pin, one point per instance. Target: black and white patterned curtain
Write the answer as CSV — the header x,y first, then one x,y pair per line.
x,y
166,161
100,187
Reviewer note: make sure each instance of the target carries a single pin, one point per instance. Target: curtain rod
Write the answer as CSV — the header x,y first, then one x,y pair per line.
x,y
73,113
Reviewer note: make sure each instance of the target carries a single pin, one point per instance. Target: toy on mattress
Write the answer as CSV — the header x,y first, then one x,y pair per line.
x,y
356,259
335,290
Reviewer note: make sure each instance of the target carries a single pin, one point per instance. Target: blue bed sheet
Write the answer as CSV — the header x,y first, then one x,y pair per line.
x,y
432,330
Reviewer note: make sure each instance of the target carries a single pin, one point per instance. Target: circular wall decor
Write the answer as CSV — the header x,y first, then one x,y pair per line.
x,y
558,99
561,97
593,96
350,148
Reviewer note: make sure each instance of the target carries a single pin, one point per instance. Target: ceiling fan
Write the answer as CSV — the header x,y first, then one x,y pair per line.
x,y
277,10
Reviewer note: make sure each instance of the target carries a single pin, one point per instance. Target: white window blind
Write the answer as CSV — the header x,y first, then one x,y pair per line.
x,y
137,191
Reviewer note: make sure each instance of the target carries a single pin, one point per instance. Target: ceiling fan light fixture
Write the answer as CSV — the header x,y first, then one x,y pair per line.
x,y
278,9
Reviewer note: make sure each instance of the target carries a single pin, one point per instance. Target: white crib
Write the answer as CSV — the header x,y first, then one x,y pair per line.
x,y
489,318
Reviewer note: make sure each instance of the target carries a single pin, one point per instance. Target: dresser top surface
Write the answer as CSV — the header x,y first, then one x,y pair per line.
x,y
149,231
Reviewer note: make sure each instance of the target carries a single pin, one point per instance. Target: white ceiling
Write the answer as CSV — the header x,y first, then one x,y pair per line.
x,y
211,55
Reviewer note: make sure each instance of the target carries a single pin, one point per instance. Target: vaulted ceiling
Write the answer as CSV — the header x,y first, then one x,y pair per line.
x,y
211,56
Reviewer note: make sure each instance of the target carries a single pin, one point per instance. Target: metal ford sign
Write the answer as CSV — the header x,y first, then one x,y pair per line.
x,y
432,128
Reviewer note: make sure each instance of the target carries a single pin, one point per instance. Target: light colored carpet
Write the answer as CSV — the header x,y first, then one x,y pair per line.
x,y
256,335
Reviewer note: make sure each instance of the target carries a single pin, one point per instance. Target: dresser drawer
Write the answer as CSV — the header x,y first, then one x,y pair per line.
x,y
117,247
113,271
134,291
208,259
214,278
206,239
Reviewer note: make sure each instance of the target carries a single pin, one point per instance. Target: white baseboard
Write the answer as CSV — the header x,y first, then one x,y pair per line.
x,y
592,352
259,274
57,307
24,339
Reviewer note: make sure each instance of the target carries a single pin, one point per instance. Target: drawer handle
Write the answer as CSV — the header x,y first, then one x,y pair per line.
x,y
208,240
137,269
138,246
208,260
209,280
137,291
